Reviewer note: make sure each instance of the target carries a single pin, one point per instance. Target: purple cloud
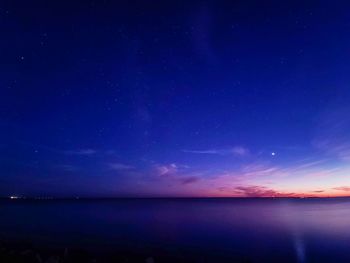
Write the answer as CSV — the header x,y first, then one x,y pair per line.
x,y
260,191
189,180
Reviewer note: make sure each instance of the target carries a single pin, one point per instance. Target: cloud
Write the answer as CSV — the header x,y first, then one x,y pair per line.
x,y
81,152
260,169
166,170
189,180
309,168
336,147
176,173
342,188
332,136
318,191
120,166
237,151
260,191
202,151
254,179
34,146
202,30
67,167
240,151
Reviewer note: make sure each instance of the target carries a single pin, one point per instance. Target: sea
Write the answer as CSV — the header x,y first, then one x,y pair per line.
x,y
192,229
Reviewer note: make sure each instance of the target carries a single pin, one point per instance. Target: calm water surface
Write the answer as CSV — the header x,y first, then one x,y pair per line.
x,y
261,230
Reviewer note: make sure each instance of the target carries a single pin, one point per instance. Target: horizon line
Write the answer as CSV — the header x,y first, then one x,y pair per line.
x,y
163,197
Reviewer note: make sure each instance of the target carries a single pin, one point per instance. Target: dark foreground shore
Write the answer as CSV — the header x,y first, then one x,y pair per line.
x,y
27,253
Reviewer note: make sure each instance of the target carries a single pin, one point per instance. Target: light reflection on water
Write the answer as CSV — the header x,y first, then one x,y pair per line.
x,y
299,248
269,230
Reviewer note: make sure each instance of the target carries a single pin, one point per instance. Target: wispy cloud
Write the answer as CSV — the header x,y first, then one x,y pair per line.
x,y
120,166
202,151
81,152
332,136
202,20
49,149
237,151
67,167
166,169
309,168
259,169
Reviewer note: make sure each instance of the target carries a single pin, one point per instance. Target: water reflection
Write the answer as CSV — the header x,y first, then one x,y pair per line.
x,y
299,248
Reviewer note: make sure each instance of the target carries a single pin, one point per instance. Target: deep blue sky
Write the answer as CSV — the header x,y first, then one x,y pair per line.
x,y
148,98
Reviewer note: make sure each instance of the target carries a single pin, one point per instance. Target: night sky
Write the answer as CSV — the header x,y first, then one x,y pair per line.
x,y
175,98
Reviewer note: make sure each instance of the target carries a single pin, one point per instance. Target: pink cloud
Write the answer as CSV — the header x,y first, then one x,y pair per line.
x,y
342,188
